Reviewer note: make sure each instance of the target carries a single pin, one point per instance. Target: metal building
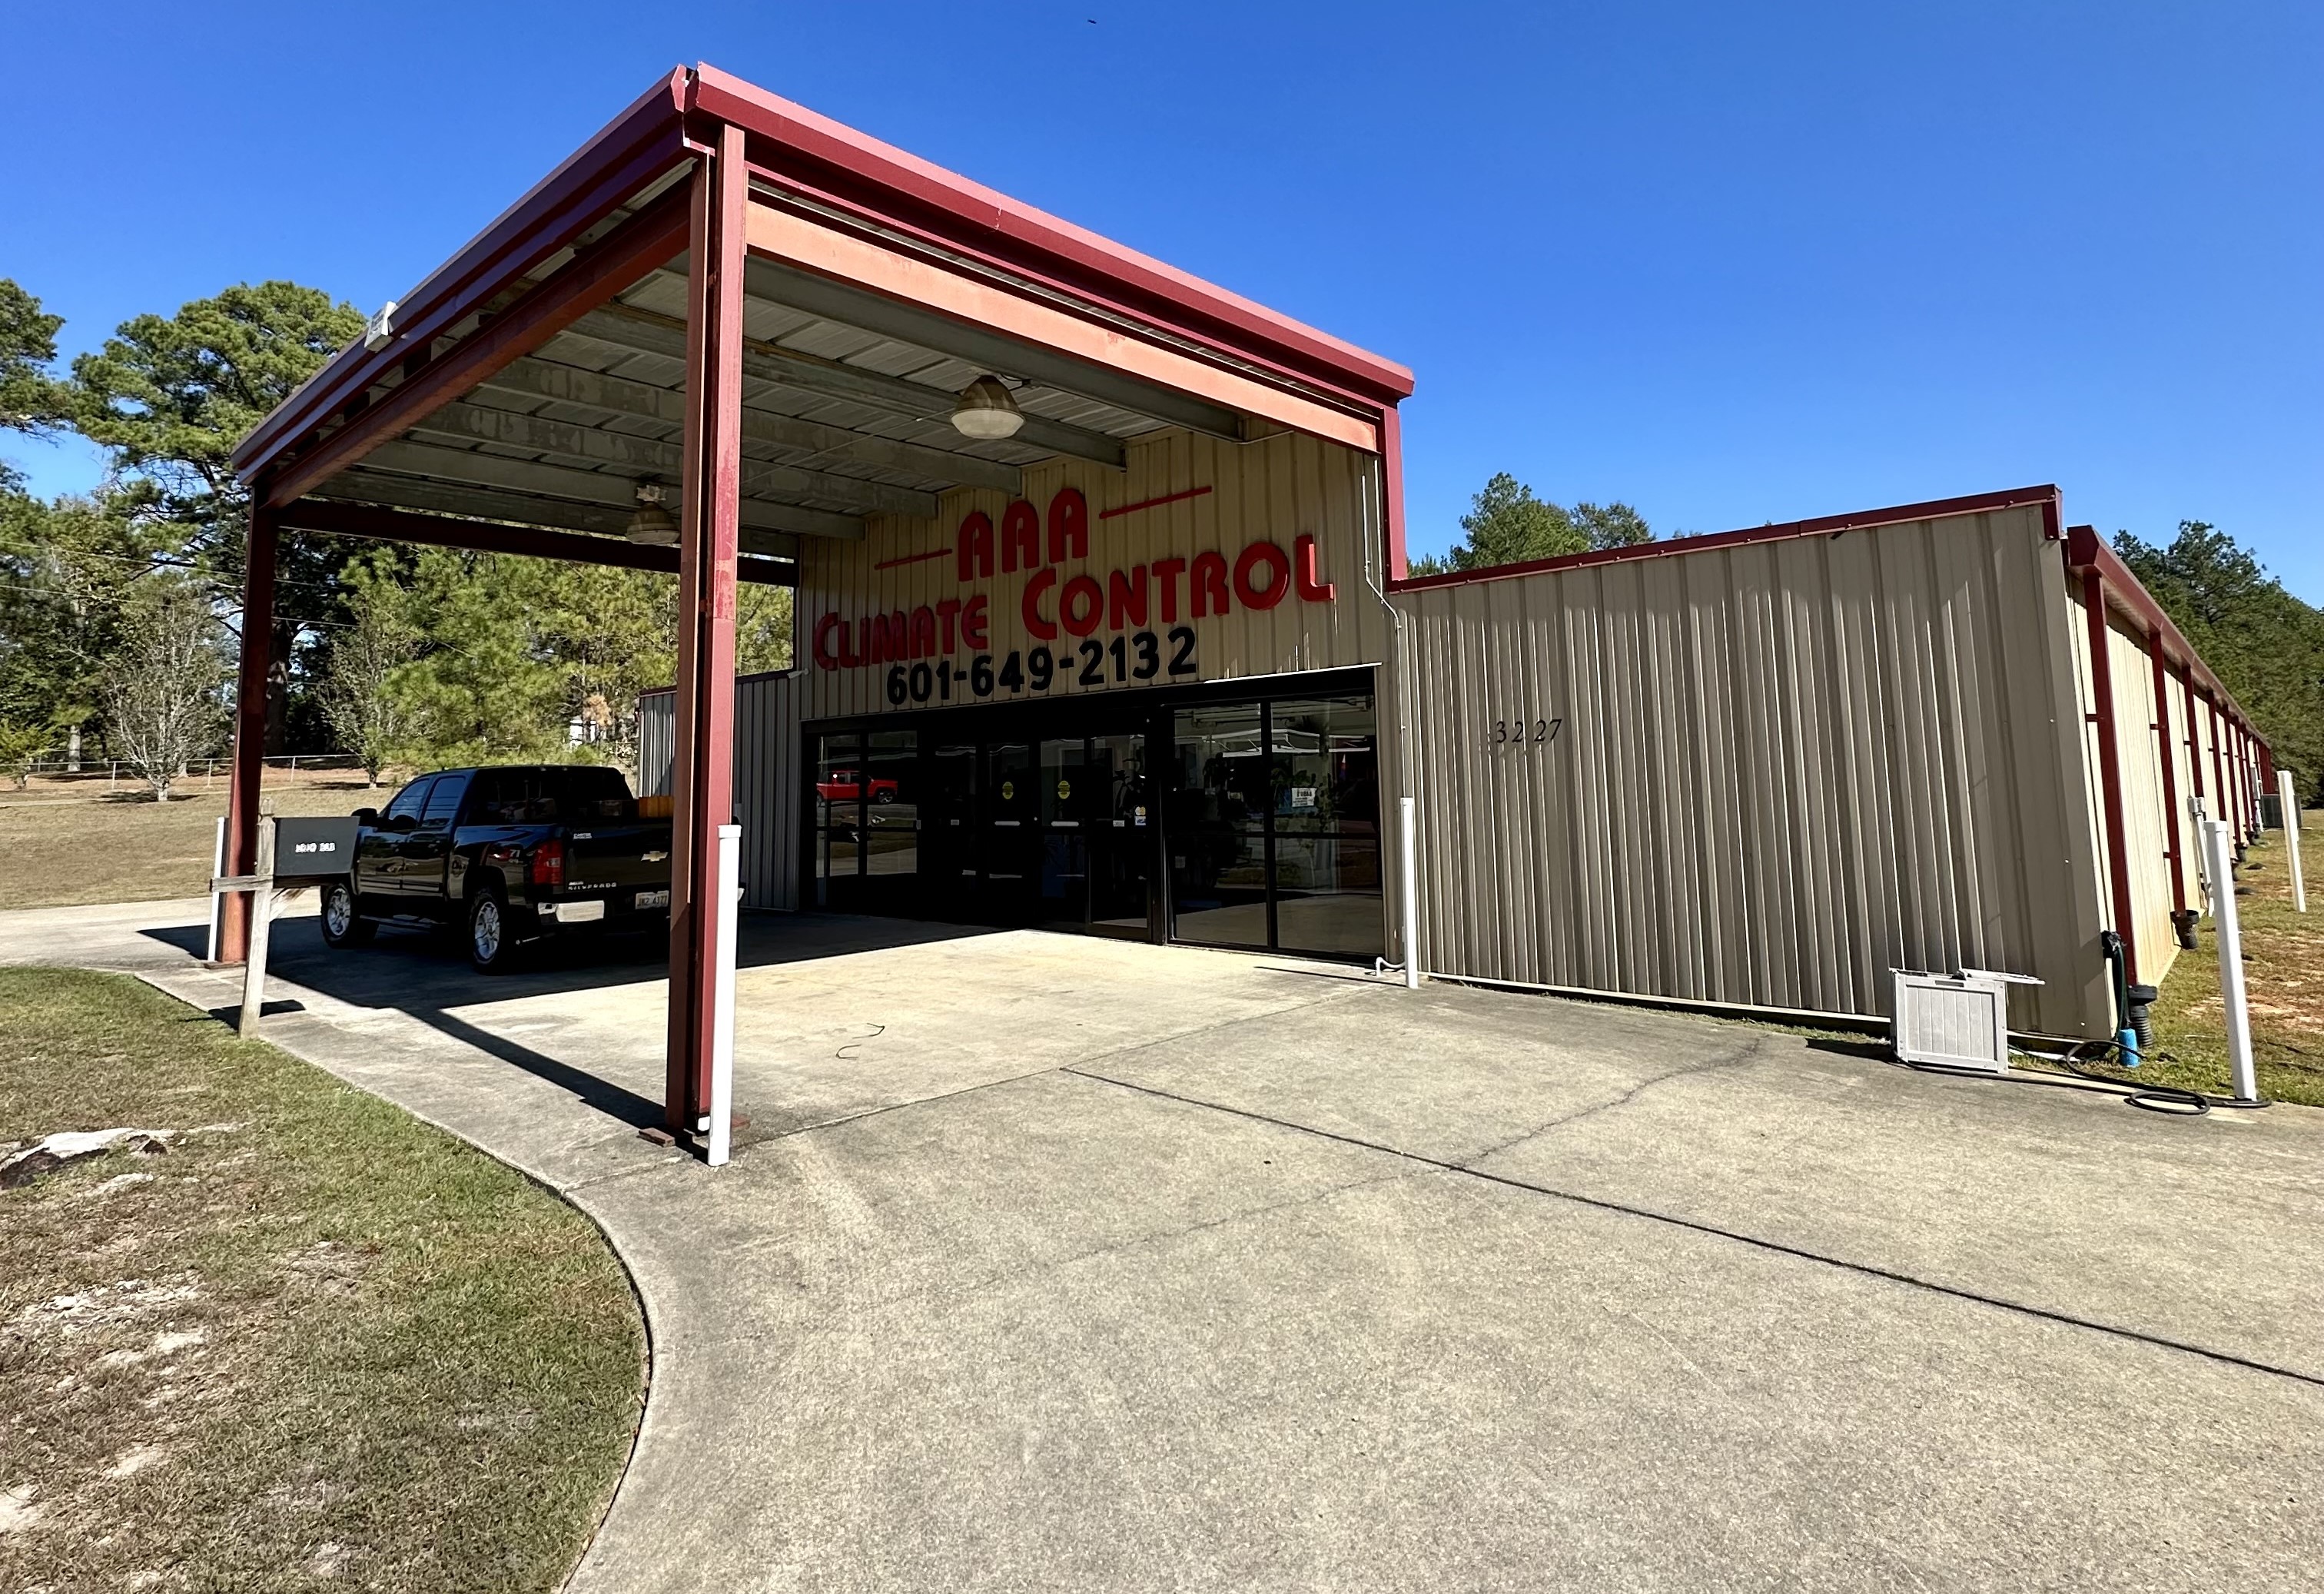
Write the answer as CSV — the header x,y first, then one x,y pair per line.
x,y
1104,621
1758,770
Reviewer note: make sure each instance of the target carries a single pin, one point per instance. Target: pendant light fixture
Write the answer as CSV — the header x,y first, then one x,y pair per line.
x,y
652,524
986,410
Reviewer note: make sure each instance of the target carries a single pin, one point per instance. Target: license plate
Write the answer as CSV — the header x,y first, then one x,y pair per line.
x,y
653,899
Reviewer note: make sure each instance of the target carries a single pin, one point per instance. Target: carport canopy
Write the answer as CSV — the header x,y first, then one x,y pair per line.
x,y
767,320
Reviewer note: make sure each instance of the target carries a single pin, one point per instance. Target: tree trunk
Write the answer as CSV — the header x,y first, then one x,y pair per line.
x,y
72,750
278,688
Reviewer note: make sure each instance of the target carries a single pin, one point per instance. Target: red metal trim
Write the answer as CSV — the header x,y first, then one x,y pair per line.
x,y
1392,496
1831,525
625,155
2173,821
901,189
397,525
1107,514
702,771
2094,609
651,238
249,727
934,553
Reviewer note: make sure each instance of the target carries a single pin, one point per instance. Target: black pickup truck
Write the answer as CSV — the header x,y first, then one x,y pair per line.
x,y
515,855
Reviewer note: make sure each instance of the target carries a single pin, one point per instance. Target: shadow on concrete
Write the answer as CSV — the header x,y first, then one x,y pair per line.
x,y
424,973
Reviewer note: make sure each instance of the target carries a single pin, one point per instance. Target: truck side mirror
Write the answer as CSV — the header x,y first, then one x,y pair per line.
x,y
404,823
368,817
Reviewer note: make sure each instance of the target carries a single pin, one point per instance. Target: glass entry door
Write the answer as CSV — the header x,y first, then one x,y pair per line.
x,y
1011,834
1065,806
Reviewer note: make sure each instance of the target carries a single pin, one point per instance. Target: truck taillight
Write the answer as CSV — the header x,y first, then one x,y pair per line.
x,y
548,864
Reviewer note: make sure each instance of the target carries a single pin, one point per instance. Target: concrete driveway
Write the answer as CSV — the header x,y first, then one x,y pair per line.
x,y
1051,1263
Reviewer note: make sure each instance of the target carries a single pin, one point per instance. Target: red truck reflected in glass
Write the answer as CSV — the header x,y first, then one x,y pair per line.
x,y
845,786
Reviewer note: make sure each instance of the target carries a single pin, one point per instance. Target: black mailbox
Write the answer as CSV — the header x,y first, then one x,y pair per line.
x,y
313,849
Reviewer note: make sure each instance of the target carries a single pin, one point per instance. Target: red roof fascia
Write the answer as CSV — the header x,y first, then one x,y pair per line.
x,y
2086,550
900,187
1831,525
627,153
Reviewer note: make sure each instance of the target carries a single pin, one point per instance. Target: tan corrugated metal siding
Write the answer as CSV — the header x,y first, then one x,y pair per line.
x,y
766,777
1763,774
1279,488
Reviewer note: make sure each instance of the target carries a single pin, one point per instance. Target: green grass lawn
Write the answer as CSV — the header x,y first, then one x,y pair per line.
x,y
2283,983
66,849
314,1341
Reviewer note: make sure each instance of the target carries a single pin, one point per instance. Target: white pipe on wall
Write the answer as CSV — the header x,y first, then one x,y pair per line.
x,y
1410,849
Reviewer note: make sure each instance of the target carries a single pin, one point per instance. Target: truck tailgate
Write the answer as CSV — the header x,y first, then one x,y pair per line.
x,y
614,862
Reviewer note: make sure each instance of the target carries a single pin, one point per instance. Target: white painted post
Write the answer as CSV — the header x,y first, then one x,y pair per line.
x,y
262,923
2226,929
720,1142
2288,791
1411,862
217,899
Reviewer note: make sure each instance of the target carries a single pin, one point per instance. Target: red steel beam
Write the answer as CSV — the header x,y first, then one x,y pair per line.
x,y
2094,610
646,241
703,770
249,727
396,525
2172,819
2194,737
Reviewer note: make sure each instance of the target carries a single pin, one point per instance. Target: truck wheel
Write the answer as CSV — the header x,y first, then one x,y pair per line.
x,y
343,925
491,943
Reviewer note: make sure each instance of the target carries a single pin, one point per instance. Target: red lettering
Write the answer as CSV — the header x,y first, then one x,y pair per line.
x,y
887,638
1031,607
1068,526
850,653
1082,604
976,547
1303,573
1125,598
945,611
972,620
1279,565
1021,536
924,633
1206,584
1166,572
824,627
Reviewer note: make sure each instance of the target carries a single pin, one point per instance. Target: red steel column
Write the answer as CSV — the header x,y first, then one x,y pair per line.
x,y
249,722
703,776
2194,737
2110,765
2227,809
2174,822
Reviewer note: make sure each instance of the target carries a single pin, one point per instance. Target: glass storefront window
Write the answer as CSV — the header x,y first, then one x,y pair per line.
x,y
891,803
1324,769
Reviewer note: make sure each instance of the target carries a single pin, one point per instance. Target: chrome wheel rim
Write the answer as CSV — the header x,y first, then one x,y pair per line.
x,y
338,912
486,930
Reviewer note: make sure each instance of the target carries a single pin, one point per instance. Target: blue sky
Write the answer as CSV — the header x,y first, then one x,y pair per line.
x,y
1733,263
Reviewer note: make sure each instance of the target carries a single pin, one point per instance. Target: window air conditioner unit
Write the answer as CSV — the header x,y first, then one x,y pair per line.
x,y
1953,1021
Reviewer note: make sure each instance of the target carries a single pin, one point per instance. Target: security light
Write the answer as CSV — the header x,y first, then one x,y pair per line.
x,y
380,331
